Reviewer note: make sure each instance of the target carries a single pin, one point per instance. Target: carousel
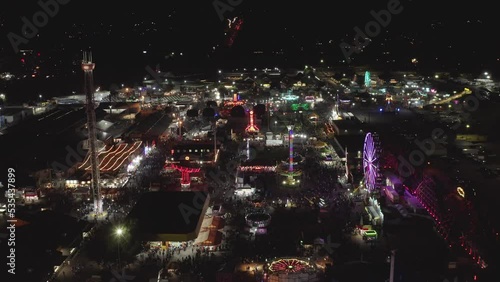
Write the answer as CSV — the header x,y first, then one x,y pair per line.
x,y
291,269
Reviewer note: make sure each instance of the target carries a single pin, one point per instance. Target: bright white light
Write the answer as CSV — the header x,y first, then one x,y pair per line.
x,y
119,231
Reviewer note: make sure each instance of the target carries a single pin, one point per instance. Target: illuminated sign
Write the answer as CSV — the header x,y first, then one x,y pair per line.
x,y
258,168
233,103
461,192
296,107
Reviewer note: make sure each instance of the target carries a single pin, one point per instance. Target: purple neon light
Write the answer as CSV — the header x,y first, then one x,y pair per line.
x,y
370,162
290,166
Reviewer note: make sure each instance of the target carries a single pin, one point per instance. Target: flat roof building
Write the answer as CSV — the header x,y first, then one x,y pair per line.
x,y
194,152
169,216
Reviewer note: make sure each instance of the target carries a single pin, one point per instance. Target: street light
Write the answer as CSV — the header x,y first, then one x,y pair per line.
x,y
119,233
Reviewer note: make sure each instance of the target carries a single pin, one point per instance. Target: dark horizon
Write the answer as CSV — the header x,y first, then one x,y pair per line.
x,y
448,38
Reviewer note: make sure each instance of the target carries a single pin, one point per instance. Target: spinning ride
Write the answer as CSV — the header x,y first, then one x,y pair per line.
x,y
371,162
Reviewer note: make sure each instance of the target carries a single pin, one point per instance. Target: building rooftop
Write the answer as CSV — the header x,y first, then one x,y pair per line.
x,y
169,216
113,158
354,143
348,124
104,125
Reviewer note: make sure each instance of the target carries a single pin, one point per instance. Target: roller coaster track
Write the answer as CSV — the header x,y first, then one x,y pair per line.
x,y
454,97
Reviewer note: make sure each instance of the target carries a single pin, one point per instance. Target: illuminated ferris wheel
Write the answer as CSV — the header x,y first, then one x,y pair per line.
x,y
371,161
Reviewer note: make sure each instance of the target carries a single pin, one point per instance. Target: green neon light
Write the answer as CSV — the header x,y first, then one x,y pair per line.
x,y
298,107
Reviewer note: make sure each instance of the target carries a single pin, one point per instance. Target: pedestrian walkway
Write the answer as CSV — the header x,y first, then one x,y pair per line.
x,y
78,268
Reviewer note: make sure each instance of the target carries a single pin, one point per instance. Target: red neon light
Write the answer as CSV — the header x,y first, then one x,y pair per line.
x,y
251,127
185,172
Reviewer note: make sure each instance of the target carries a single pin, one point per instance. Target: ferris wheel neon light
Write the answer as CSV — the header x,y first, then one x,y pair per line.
x,y
370,162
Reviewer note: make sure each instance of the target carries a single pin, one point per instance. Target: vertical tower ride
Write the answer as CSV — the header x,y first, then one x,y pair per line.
x,y
290,140
368,79
88,70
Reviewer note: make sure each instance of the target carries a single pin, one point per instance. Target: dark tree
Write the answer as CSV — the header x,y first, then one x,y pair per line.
x,y
259,110
238,111
208,113
211,104
193,113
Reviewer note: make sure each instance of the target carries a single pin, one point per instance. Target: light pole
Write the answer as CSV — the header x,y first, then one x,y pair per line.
x,y
119,233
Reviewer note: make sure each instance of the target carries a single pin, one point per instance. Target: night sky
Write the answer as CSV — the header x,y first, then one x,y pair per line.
x,y
454,37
